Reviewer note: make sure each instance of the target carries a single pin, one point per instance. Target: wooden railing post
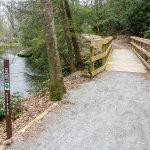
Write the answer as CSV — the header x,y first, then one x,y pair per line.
x,y
103,50
149,60
144,47
91,63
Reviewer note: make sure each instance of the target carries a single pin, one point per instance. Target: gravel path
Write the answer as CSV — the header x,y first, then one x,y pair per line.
x,y
111,112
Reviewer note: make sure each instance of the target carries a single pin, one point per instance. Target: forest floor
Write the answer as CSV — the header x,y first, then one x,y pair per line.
x,y
111,112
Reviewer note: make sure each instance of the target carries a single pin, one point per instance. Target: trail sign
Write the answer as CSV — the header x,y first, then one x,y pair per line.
x,y
8,110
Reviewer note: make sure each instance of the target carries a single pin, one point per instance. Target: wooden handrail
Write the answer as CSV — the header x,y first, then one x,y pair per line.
x,y
141,47
103,45
145,41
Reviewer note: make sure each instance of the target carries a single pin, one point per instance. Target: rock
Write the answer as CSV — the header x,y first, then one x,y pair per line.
x,y
89,37
25,53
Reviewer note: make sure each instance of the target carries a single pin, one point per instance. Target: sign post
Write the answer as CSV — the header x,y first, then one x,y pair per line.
x,y
8,110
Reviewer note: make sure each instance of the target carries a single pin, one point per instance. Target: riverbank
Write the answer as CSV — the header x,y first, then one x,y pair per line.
x,y
33,106
7,45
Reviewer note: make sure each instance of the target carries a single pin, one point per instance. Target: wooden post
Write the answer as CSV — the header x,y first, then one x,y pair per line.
x,y
149,60
147,48
91,63
7,99
104,47
143,45
140,53
134,43
130,42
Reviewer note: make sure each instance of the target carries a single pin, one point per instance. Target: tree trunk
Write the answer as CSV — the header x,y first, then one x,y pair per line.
x,y
57,88
73,35
64,20
97,7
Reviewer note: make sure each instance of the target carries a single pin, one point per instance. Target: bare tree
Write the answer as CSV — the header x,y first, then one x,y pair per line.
x,y
8,11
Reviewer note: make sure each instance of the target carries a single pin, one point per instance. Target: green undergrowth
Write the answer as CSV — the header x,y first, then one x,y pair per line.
x,y
16,106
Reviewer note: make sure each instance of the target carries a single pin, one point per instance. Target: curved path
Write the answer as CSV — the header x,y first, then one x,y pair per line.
x,y
111,112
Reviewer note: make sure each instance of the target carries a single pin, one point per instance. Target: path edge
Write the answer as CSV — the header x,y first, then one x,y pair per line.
x,y
34,121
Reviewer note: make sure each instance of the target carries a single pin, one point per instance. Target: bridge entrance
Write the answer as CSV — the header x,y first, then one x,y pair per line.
x,y
124,59
119,56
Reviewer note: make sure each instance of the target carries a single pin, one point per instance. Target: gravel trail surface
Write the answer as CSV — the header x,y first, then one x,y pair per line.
x,y
111,112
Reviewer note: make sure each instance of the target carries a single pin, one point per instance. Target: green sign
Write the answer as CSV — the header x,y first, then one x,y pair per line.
x,y
7,86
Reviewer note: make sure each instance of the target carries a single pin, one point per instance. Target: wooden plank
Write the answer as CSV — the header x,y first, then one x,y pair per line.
x,y
91,55
96,44
95,72
104,39
141,49
149,60
146,41
108,56
104,49
124,59
99,56
108,49
100,42
144,62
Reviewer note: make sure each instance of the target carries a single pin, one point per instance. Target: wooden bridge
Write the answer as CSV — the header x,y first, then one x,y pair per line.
x,y
118,56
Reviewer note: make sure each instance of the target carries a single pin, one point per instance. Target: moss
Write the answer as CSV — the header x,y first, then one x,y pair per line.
x,y
57,91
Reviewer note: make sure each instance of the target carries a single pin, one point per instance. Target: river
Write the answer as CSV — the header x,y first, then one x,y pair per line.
x,y
22,76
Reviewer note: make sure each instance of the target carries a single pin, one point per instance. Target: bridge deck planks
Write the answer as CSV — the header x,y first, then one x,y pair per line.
x,y
124,59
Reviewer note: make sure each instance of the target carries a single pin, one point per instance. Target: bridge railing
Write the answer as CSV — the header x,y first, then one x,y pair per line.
x,y
141,48
104,48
